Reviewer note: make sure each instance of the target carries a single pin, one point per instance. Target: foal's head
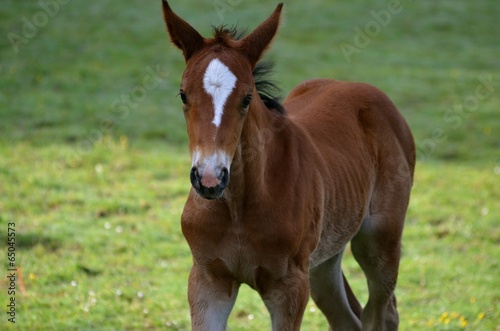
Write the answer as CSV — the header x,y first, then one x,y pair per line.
x,y
217,89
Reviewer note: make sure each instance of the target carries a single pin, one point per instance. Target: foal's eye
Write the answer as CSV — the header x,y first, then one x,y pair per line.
x,y
183,97
246,101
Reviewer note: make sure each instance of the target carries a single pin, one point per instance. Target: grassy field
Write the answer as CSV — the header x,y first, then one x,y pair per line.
x,y
94,169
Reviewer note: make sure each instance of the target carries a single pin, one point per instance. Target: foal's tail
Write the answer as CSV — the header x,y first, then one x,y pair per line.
x,y
351,298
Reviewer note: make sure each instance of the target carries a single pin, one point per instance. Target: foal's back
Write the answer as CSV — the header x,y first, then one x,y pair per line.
x,y
341,115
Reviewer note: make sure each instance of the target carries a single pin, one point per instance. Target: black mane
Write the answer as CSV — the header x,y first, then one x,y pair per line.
x,y
268,89
223,31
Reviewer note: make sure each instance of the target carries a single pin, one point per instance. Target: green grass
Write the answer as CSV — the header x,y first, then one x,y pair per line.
x,y
96,205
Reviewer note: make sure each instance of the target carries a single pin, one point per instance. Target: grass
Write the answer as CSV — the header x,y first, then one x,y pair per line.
x,y
94,163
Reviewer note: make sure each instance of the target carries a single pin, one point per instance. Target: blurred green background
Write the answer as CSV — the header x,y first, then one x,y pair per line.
x,y
94,165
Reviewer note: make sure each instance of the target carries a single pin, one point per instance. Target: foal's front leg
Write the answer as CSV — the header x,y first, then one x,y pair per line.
x,y
286,299
211,298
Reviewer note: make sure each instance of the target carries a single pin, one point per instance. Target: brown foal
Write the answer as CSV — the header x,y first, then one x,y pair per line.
x,y
278,190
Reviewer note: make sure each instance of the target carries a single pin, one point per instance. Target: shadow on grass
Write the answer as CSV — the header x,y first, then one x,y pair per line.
x,y
31,239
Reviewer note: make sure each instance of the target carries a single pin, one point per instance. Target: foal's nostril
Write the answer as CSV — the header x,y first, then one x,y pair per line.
x,y
224,179
195,178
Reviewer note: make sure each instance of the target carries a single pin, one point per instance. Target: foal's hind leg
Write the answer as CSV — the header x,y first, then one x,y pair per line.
x,y
334,298
377,248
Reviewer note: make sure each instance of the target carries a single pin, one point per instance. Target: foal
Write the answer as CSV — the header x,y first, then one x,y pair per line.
x,y
279,190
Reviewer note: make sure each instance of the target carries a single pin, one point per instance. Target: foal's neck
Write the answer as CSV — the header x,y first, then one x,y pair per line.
x,y
261,136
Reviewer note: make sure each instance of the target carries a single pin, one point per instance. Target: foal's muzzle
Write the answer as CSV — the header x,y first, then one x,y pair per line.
x,y
209,182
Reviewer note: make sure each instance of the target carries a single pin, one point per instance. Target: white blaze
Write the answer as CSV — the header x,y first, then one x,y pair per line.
x,y
219,82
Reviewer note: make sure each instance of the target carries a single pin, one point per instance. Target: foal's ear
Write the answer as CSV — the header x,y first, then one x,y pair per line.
x,y
181,33
256,43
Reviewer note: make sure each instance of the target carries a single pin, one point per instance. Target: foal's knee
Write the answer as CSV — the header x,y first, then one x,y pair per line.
x,y
285,298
